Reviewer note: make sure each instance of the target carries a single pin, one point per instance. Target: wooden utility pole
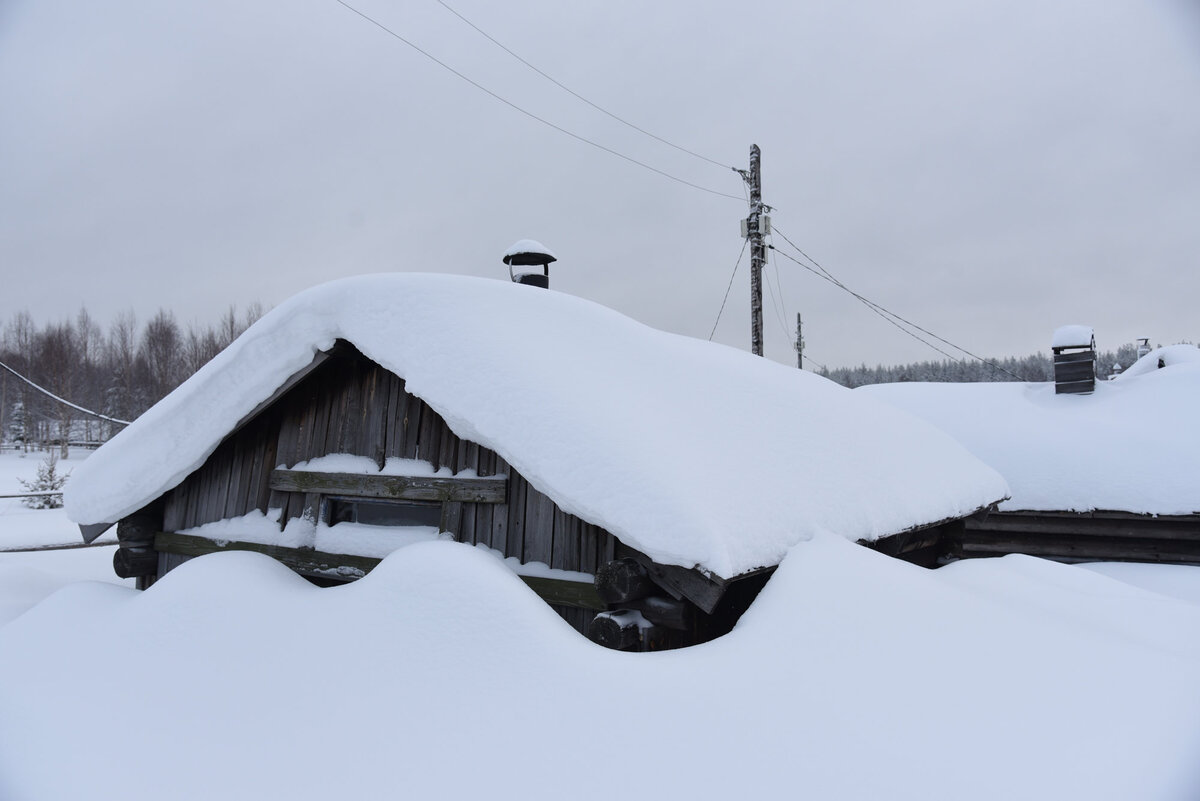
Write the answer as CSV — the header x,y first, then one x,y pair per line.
x,y
799,343
758,252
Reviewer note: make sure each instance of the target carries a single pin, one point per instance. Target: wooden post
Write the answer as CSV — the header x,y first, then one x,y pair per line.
x,y
799,343
758,252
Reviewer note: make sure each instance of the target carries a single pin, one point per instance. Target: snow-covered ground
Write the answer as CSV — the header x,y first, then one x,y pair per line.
x,y
440,675
27,576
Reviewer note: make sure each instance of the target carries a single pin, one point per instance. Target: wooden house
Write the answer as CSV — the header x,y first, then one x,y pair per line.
x,y
1108,476
602,459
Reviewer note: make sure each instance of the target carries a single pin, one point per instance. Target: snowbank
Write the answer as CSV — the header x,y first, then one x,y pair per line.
x,y
695,453
1131,446
440,675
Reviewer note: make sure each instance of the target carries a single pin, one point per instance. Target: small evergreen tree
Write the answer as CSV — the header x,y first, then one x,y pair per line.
x,y
48,480
16,423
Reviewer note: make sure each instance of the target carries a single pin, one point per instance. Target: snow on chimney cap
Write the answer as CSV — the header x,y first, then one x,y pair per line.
x,y
528,252
1074,336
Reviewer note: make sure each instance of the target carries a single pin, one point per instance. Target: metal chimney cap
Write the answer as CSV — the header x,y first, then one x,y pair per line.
x,y
527,253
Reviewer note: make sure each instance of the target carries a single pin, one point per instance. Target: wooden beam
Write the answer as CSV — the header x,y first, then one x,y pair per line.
x,y
346,567
408,488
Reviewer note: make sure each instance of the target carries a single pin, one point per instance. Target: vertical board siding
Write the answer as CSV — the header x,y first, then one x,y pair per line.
x,y
349,404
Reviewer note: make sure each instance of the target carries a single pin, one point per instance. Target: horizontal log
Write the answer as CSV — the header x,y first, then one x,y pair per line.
x,y
135,562
666,612
623,580
1089,524
490,489
620,630
347,567
1084,549
681,582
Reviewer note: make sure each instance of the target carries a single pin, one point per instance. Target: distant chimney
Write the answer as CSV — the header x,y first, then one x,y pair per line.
x,y
529,253
1074,349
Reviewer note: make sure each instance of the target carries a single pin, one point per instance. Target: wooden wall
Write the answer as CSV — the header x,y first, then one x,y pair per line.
x,y
348,404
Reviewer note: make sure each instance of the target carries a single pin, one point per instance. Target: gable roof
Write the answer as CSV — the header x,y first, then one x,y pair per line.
x,y
695,453
1131,446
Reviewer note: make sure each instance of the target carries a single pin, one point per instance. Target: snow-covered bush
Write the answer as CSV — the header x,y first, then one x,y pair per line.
x,y
48,480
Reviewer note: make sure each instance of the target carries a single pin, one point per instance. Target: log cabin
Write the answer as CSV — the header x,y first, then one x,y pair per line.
x,y
1110,474
643,483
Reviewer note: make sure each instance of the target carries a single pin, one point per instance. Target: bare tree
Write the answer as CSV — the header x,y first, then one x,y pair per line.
x,y
162,352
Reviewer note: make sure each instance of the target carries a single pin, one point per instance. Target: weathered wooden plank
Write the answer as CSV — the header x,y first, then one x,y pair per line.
x,y
681,582
415,488
539,528
411,424
175,508
393,415
565,555
467,531
452,512
483,521
376,415
427,437
448,445
289,430
234,494
1080,549
1091,524
608,547
518,489
589,548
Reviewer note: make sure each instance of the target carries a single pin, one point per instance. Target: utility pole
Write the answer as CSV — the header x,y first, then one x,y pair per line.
x,y
799,343
758,253
754,228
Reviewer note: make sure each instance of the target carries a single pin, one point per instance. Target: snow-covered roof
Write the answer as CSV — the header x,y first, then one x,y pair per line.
x,y
1073,336
695,453
1131,446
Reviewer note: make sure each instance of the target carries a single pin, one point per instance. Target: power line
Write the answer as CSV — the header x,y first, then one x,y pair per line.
x,y
50,394
886,314
867,303
575,94
529,114
737,264
776,304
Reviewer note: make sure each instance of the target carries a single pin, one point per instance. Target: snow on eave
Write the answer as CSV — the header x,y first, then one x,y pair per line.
x,y
694,453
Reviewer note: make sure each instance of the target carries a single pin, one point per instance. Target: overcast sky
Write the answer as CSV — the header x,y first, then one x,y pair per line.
x,y
989,170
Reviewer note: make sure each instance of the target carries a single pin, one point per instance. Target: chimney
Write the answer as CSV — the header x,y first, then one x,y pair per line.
x,y
529,253
1074,349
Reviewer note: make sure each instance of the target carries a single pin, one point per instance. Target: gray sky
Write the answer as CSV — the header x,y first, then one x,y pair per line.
x,y
988,170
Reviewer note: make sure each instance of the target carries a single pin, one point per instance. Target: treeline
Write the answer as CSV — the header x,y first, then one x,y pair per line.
x,y
119,372
1038,367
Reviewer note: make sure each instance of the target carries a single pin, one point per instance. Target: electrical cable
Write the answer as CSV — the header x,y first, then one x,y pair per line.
x,y
529,114
883,312
50,394
722,309
867,303
575,94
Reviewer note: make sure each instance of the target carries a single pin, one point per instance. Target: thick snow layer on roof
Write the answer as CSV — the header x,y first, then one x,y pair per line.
x,y
1072,336
1133,445
853,676
695,453
1168,357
